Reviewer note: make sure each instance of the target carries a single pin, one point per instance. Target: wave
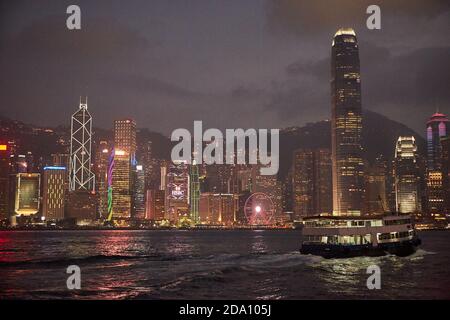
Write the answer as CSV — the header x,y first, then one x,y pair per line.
x,y
87,259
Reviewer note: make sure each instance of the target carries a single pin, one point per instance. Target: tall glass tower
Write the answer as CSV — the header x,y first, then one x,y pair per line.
x,y
194,193
438,127
80,175
347,152
406,174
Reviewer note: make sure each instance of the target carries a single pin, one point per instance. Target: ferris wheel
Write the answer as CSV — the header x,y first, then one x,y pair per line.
x,y
259,209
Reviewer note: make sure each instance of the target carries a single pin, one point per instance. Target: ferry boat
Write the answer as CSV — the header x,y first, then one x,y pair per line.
x,y
352,236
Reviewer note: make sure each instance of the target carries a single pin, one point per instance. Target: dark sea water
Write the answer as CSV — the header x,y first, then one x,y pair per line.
x,y
186,264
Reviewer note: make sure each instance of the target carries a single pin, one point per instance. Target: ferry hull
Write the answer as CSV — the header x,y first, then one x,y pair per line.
x,y
402,249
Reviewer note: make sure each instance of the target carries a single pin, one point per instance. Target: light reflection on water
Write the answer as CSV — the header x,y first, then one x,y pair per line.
x,y
208,265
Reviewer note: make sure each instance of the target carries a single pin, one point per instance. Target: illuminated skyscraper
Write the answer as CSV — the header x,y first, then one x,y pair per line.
x,y
26,193
125,136
62,160
53,193
139,193
406,175
194,193
4,179
437,127
101,173
155,205
217,208
109,177
80,175
124,164
347,153
311,182
445,144
121,185
269,185
147,162
177,191
376,201
218,178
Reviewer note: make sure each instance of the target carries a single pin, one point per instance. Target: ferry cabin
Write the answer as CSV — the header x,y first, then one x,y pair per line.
x,y
362,230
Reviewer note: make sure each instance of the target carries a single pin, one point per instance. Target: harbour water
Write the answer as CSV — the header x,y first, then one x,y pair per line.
x,y
209,264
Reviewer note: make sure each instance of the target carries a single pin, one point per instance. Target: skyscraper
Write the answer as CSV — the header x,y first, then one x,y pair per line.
x,y
311,182
4,179
138,193
101,173
53,193
177,191
80,175
376,201
194,193
146,160
26,193
125,136
445,144
124,164
217,208
437,127
406,176
155,205
121,185
347,152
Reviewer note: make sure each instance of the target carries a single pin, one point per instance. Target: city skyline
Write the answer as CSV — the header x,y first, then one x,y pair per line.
x,y
257,150
131,176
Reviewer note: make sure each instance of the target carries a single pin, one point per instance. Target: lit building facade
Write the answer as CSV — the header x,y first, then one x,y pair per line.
x,y
26,191
194,193
311,182
124,166
138,193
217,208
376,187
121,185
53,193
406,176
437,130
125,136
346,128
81,206
155,205
80,175
4,179
101,172
445,145
269,185
177,191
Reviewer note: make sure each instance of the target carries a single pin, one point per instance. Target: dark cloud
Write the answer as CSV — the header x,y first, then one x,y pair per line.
x,y
229,63
314,16
143,84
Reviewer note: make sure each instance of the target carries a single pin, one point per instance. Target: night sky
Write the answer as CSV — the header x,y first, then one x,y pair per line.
x,y
230,63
